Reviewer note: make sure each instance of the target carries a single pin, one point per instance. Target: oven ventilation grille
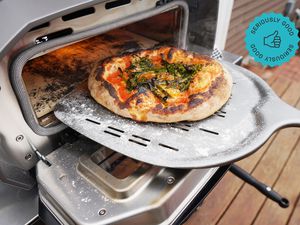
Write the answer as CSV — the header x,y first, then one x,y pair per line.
x,y
114,4
56,34
78,14
43,25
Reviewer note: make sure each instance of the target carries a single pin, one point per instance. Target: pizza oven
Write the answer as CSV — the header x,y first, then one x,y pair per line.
x,y
48,52
146,173
52,57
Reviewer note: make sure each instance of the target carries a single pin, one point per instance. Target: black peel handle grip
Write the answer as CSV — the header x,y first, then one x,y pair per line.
x,y
261,187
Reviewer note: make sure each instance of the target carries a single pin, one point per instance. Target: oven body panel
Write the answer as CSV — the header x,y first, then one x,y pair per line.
x,y
67,190
27,15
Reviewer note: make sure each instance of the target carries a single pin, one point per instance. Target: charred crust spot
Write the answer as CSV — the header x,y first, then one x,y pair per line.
x,y
113,93
108,37
142,90
195,102
175,109
139,101
111,90
126,104
217,82
199,98
170,53
159,109
99,73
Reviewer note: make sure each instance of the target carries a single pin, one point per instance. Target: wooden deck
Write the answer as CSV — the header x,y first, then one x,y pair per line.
x,y
276,163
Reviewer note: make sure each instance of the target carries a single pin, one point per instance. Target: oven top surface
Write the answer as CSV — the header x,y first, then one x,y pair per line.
x,y
24,15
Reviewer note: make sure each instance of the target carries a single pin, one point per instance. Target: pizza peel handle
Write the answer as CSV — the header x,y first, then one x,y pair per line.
x,y
280,114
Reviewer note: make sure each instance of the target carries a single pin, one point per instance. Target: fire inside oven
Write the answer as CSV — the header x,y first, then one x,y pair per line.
x,y
50,76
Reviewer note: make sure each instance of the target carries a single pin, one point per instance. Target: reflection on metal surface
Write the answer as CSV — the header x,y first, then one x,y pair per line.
x,y
119,176
17,206
87,191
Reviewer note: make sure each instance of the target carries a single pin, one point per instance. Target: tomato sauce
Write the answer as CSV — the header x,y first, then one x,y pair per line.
x,y
124,94
117,81
114,78
127,61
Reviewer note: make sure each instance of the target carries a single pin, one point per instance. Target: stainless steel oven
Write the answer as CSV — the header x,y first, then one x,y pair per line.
x,y
48,49
61,40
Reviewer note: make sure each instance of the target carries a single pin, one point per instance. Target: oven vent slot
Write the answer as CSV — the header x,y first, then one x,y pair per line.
x,y
117,3
78,14
56,34
43,25
163,2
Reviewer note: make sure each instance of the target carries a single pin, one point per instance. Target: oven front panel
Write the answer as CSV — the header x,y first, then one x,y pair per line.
x,y
84,185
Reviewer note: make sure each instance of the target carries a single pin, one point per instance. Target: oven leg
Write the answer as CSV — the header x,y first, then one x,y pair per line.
x,y
264,189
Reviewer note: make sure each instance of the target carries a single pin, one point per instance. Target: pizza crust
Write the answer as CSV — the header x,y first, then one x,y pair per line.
x,y
210,101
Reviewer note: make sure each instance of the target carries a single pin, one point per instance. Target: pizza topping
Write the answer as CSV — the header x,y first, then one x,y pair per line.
x,y
170,76
159,78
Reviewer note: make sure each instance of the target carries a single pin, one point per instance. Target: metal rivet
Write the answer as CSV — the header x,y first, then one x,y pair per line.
x,y
19,138
102,212
170,180
28,156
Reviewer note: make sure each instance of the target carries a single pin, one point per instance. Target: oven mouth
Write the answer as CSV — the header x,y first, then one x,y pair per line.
x,y
18,63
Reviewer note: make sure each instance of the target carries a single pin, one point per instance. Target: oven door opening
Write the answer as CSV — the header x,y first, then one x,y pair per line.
x,y
42,74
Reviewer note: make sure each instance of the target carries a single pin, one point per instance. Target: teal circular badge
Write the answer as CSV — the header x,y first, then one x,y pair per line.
x,y
272,39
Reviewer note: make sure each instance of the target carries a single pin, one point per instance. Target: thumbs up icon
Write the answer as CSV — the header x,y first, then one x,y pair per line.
x,y
272,40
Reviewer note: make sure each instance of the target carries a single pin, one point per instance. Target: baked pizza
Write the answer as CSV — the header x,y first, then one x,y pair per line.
x,y
162,85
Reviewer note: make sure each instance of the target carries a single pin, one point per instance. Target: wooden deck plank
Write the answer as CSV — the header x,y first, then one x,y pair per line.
x,y
214,206
295,218
271,213
249,201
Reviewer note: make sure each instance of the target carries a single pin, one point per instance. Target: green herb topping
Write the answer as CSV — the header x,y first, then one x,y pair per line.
x,y
179,76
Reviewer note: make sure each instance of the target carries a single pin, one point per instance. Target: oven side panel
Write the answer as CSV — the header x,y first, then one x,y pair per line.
x,y
14,131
